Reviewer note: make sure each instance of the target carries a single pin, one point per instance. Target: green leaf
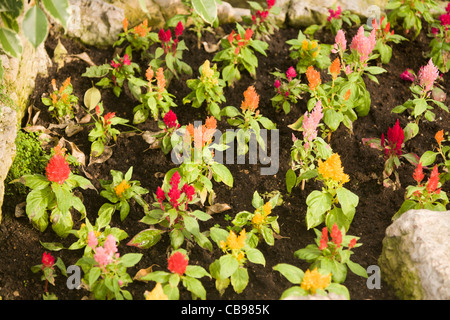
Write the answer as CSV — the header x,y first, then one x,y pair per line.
x,y
428,158
420,106
293,274
206,9
196,272
228,265
59,10
222,173
318,204
92,97
291,179
130,259
10,42
348,201
146,238
310,253
255,256
239,280
35,26
52,246
357,269
94,274
195,286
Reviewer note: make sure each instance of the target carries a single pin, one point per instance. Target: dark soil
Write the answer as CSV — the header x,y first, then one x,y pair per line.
x,y
19,242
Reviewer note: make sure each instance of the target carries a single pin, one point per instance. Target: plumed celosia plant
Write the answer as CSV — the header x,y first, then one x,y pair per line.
x,y
53,193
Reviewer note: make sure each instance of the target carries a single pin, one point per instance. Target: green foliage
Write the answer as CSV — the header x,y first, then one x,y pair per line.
x,y
30,159
410,13
238,53
61,102
309,53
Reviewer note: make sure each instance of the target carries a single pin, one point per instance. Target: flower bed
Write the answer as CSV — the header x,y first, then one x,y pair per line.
x,y
362,169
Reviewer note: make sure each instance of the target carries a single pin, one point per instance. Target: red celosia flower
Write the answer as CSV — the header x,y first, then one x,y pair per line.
x,y
231,37
445,19
175,180
418,173
277,84
324,239
395,138
408,75
177,263
270,3
336,235
433,181
189,191
161,196
248,34
47,260
170,119
57,169
179,29
352,243
107,118
174,194
164,36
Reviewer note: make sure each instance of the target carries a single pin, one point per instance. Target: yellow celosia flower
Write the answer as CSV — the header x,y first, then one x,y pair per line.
x,y
314,280
235,242
207,72
305,44
156,294
259,217
332,169
313,44
121,188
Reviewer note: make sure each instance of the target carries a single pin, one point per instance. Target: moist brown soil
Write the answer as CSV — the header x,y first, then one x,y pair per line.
x,y
19,242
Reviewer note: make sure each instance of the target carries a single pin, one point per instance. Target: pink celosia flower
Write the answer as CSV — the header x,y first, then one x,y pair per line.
x,y
277,84
126,60
92,240
434,31
115,65
290,73
428,75
395,138
110,244
334,14
362,44
310,123
270,3
408,75
340,43
445,19
102,257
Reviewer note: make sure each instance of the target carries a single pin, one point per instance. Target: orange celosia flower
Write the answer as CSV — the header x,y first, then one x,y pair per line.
x,y
211,122
149,74
313,280
332,169
125,24
142,29
54,84
235,242
231,37
347,94
251,99
335,68
439,136
54,98
160,80
313,78
248,33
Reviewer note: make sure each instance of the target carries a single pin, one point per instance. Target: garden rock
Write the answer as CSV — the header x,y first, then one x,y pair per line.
x,y
8,133
229,14
415,260
135,13
95,22
305,13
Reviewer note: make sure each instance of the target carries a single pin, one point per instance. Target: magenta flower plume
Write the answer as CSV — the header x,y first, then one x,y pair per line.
x,y
428,75
179,29
270,4
408,75
395,138
334,14
362,44
290,73
277,84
